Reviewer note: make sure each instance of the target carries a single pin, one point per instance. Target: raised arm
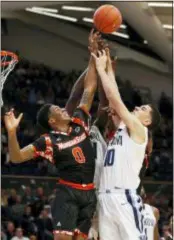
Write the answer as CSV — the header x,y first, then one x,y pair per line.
x,y
78,87
76,94
17,155
103,110
111,89
90,81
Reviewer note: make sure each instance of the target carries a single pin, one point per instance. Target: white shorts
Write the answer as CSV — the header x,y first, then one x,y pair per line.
x,y
121,216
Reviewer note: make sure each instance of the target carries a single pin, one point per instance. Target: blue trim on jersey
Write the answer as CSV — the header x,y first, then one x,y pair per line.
x,y
135,212
142,222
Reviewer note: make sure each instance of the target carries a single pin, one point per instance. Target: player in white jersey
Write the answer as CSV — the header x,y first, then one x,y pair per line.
x,y
100,147
121,209
151,217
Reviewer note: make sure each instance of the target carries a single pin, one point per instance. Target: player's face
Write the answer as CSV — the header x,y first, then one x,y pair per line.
x,y
59,114
144,113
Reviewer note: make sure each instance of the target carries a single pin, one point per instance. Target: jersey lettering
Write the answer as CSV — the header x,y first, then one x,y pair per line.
x,y
78,155
110,157
117,140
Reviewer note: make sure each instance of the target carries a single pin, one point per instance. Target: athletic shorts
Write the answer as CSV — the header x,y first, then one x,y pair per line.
x,y
73,210
121,215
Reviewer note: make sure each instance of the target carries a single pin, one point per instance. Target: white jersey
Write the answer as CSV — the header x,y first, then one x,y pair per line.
x,y
100,150
123,161
149,222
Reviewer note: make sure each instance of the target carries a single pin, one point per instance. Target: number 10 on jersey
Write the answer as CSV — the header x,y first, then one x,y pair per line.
x,y
109,159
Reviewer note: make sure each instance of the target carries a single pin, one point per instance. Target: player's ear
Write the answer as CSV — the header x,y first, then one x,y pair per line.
x,y
147,121
51,120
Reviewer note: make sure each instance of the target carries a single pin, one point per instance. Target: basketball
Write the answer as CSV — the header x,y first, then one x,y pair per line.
x,y
107,18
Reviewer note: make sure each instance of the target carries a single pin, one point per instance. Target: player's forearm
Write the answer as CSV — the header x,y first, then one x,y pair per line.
x,y
102,116
76,93
90,85
14,148
156,233
102,95
110,88
90,81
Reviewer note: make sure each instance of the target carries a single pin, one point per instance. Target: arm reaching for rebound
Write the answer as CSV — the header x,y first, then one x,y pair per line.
x,y
77,90
76,94
90,81
17,155
135,127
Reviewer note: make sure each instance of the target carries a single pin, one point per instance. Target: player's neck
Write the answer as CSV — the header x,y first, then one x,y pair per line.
x,y
63,127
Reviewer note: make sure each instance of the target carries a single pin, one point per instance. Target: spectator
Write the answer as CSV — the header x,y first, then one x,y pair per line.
x,y
28,221
18,208
19,235
4,197
166,233
45,226
39,201
27,198
12,198
3,235
10,230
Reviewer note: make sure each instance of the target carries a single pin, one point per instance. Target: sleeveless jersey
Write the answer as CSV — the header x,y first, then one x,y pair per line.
x,y
100,147
149,222
123,161
72,153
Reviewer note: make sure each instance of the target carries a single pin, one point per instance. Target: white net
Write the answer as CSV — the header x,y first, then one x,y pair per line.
x,y
8,62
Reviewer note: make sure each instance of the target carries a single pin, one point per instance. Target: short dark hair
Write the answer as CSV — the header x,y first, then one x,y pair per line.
x,y
43,116
156,118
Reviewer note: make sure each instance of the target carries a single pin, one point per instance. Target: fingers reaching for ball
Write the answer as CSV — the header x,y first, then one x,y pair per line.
x,y
100,59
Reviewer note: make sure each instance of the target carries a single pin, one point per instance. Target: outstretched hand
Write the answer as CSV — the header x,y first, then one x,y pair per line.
x,y
93,41
11,122
100,60
111,64
96,43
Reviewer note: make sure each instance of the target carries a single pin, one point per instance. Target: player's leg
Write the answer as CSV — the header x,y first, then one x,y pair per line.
x,y
64,213
94,230
108,228
87,206
62,237
130,214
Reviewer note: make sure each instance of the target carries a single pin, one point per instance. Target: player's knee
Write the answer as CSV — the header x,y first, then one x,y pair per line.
x,y
62,237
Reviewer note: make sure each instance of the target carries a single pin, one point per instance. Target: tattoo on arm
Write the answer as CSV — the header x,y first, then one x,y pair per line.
x,y
87,99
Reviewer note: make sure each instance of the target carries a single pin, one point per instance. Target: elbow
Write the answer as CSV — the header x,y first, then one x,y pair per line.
x,y
16,160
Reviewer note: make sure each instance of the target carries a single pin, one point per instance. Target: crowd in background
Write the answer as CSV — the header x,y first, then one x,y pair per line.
x,y
27,212
29,87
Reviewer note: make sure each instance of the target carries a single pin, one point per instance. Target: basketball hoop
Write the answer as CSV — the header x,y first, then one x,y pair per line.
x,y
8,62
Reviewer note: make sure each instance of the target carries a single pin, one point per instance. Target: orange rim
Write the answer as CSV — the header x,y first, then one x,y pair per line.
x,y
11,54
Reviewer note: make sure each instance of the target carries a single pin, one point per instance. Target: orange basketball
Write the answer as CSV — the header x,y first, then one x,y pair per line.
x,y
107,18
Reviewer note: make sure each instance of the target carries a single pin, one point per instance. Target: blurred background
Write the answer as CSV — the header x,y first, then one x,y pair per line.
x,y
51,40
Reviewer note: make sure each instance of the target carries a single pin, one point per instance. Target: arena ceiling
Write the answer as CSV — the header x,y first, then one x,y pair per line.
x,y
150,29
